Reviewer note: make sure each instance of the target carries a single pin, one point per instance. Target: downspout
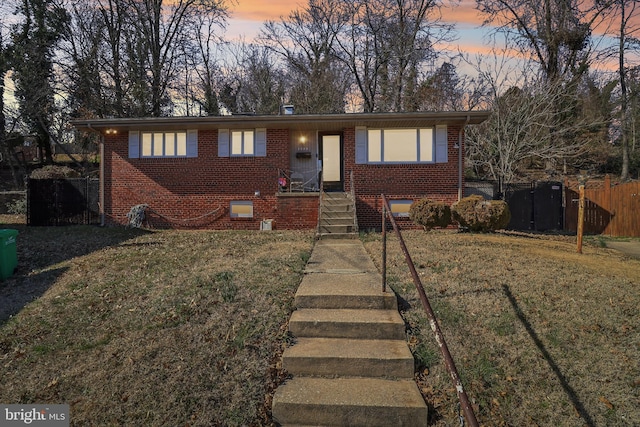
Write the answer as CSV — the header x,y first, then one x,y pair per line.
x,y
461,158
101,185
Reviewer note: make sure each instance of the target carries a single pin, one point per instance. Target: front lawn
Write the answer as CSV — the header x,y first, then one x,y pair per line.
x,y
541,335
149,328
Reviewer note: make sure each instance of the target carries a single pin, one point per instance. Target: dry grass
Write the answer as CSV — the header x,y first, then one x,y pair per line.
x,y
185,328
541,336
150,328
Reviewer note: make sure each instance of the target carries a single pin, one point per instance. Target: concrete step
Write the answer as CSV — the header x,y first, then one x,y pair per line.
x,y
346,221
347,206
336,215
337,236
349,358
335,195
347,323
353,290
336,228
340,255
349,402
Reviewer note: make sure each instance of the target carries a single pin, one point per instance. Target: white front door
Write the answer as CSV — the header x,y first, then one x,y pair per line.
x,y
332,161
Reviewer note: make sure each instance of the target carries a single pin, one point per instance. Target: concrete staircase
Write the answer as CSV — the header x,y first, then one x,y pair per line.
x,y
337,215
350,363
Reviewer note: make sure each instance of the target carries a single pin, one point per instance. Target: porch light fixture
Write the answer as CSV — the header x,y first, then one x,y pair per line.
x,y
111,131
303,139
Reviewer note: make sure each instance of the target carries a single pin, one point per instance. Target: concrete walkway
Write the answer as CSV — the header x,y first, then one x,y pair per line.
x,y
350,364
630,248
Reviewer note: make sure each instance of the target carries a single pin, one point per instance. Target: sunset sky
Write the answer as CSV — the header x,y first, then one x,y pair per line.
x,y
247,18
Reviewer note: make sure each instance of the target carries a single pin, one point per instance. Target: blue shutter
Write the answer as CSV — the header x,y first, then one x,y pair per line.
x,y
442,146
361,145
134,144
192,143
261,142
223,142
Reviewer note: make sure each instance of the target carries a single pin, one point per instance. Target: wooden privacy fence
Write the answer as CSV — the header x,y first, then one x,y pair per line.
x,y
613,210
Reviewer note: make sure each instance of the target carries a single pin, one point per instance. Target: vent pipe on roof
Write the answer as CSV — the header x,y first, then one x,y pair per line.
x,y
286,109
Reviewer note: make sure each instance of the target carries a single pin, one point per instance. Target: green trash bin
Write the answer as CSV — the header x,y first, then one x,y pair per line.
x,y
8,254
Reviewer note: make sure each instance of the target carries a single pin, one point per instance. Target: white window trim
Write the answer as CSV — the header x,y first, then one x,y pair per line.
x,y
225,146
439,146
243,143
417,142
136,142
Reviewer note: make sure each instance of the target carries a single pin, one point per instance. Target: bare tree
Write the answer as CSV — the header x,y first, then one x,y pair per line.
x,y
306,41
34,42
205,64
534,123
554,33
625,11
385,44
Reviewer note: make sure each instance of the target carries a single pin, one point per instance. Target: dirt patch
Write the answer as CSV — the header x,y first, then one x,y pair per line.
x,y
541,335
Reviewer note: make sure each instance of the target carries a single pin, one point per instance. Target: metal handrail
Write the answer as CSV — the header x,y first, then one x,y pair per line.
x,y
353,199
467,410
320,201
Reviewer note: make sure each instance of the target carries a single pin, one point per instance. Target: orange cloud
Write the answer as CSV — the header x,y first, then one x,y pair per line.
x,y
262,10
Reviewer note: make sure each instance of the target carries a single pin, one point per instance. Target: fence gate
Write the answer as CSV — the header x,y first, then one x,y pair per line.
x,y
535,206
63,201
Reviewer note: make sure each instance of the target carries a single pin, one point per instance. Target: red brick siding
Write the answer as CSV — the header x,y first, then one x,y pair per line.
x,y
297,212
201,188
187,188
408,181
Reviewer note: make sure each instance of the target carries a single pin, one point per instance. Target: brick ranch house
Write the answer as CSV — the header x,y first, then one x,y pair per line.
x,y
242,172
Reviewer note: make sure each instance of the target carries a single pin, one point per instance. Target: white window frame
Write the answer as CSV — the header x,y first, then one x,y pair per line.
x,y
424,150
234,203
155,144
439,147
244,144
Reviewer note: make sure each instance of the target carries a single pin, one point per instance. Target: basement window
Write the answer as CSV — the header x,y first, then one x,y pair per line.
x,y
241,209
400,208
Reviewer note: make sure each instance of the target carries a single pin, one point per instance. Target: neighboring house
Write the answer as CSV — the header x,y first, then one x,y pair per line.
x,y
234,172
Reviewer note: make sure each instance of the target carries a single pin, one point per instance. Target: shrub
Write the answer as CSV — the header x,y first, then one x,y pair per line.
x,y
18,206
430,214
54,172
477,214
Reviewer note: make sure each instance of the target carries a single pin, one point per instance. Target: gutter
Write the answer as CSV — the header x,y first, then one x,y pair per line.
x,y
461,158
101,185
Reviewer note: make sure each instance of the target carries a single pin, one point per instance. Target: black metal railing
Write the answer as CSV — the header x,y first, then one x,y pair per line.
x,y
467,410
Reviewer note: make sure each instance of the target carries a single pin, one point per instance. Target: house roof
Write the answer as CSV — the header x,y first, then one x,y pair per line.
x,y
287,121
